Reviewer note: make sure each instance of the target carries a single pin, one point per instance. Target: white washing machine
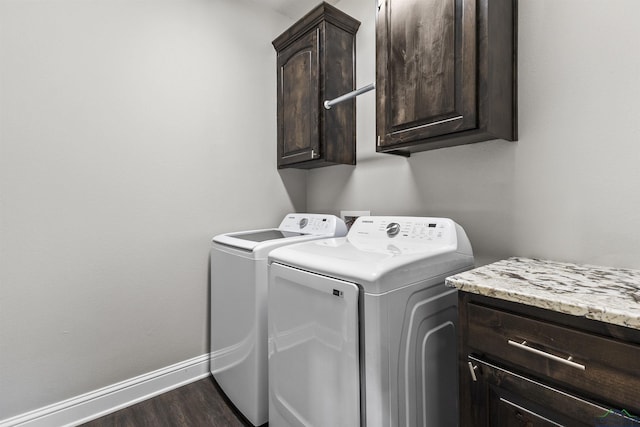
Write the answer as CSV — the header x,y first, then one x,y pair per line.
x,y
239,279
362,330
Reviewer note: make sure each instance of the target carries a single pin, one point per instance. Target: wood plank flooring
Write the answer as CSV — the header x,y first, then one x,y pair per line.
x,y
201,403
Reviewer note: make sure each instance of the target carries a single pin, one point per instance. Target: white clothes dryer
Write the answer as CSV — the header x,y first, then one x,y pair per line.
x,y
239,279
362,330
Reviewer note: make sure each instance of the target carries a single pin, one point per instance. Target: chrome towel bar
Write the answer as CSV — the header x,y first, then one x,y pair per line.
x,y
352,94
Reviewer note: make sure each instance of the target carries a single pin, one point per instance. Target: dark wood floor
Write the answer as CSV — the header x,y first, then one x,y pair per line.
x,y
197,404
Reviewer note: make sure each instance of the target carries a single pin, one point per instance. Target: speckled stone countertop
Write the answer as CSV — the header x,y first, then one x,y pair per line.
x,y
605,294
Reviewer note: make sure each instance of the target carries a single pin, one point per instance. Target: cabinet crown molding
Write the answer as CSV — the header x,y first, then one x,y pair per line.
x,y
323,12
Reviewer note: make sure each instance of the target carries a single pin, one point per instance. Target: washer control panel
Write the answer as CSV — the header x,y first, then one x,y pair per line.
x,y
416,229
313,224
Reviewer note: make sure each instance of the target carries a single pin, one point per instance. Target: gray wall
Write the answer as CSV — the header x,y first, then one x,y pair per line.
x,y
568,190
131,132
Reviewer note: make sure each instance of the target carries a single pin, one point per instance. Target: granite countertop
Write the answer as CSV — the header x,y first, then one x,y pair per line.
x,y
605,294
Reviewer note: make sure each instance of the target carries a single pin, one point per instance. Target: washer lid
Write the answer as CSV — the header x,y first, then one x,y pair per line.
x,y
251,239
384,253
292,227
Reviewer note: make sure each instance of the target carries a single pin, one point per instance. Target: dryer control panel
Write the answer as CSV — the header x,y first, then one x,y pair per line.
x,y
409,229
316,224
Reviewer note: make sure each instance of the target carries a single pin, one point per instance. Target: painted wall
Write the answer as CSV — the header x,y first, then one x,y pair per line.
x,y
130,134
568,190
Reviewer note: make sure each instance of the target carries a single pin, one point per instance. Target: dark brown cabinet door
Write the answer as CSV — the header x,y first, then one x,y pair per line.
x,y
316,62
298,95
442,78
427,53
510,400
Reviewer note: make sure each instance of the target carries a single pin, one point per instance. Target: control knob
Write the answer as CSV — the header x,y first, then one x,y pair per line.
x,y
303,222
393,229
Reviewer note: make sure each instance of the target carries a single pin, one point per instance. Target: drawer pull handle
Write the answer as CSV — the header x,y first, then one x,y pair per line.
x,y
472,369
523,346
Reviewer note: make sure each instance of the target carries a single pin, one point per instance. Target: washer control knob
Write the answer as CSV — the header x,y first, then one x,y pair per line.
x,y
303,222
393,229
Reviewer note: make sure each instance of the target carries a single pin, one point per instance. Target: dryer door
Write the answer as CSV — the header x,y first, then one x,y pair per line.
x,y
314,365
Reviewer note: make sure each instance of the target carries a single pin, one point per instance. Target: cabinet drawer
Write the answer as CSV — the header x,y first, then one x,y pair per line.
x,y
514,400
598,367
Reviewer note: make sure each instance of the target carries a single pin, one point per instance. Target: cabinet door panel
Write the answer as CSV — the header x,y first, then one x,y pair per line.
x,y
515,400
298,110
426,69
422,65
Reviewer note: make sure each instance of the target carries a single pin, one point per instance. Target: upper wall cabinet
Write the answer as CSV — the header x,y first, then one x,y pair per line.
x,y
445,73
316,62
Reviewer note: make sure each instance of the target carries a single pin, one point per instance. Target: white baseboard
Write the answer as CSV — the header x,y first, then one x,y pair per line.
x,y
95,404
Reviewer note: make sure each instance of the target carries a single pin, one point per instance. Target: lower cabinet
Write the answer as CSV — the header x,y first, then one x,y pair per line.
x,y
523,366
